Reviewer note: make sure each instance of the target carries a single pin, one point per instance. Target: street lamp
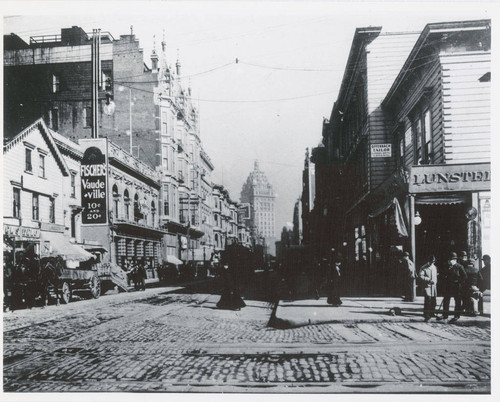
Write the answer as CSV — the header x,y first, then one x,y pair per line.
x,y
418,219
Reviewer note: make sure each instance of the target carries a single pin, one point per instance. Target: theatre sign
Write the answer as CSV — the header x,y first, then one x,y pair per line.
x,y
93,172
446,178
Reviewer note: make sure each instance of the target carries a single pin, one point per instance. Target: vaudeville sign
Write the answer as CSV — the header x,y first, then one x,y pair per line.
x,y
93,176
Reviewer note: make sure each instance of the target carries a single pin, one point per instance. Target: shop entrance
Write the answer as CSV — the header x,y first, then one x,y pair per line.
x,y
443,229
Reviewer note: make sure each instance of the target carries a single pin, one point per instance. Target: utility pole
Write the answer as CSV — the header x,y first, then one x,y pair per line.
x,y
96,77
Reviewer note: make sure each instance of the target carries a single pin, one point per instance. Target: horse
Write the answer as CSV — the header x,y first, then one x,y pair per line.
x,y
49,276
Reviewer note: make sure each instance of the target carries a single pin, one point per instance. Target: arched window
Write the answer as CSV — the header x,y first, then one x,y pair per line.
x,y
126,199
137,209
153,213
116,201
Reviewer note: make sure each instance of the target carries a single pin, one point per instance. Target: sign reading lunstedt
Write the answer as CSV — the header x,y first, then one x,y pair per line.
x,y
443,178
381,150
93,176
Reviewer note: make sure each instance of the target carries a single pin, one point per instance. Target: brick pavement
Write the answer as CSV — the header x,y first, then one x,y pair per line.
x,y
170,342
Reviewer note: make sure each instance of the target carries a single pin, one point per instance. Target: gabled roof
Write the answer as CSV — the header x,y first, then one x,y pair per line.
x,y
432,30
47,136
362,37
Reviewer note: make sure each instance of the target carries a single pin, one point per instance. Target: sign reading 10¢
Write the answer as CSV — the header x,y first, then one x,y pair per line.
x,y
93,177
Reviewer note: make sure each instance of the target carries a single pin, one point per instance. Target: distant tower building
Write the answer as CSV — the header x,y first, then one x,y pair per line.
x,y
260,195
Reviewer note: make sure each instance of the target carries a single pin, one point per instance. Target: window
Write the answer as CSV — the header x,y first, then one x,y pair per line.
x,y
73,185
164,127
16,203
29,166
55,84
166,200
126,198
35,209
42,165
116,201
87,117
422,134
164,153
106,80
153,213
52,211
54,119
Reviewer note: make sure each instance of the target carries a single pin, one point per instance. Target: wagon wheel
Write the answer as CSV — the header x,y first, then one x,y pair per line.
x,y
95,288
65,293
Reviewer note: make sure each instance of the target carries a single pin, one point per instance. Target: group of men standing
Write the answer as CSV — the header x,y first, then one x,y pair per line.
x,y
460,279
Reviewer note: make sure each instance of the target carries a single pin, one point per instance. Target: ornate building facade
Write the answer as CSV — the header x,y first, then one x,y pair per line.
x,y
258,192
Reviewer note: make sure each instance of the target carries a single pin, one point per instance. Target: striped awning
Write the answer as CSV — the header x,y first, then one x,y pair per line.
x,y
441,199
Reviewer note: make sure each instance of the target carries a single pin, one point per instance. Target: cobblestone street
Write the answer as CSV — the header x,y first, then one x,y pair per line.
x,y
173,341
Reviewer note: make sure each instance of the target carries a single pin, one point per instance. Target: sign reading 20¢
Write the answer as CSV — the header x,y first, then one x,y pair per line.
x,y
94,194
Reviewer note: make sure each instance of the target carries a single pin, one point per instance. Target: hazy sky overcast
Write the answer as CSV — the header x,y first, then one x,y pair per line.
x,y
270,106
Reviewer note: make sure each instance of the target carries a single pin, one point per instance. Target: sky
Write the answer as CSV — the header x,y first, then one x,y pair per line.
x,y
270,105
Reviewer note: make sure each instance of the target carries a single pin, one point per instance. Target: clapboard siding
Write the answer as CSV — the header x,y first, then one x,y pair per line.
x,y
385,58
466,111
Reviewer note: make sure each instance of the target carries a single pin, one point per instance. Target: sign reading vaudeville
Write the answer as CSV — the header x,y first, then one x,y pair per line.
x,y
93,177
444,178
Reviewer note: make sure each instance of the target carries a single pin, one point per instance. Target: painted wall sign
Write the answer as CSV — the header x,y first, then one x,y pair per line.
x,y
94,192
381,150
444,178
21,232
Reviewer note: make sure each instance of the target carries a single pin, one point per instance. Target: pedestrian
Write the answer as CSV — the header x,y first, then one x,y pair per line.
x,y
333,277
429,278
317,277
230,295
453,280
141,277
485,280
408,273
471,292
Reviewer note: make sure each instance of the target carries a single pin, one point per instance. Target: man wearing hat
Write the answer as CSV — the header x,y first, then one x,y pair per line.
x,y
408,272
453,279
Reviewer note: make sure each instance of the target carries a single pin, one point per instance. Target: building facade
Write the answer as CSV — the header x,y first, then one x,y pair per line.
x,y
120,199
439,118
144,108
259,193
40,196
403,123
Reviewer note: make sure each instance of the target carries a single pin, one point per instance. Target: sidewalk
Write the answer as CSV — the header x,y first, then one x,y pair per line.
x,y
290,314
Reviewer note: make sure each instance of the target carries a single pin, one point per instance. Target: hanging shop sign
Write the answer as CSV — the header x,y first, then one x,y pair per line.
x,y
381,150
444,178
93,177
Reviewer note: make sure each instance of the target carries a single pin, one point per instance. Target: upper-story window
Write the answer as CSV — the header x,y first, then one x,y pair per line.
x,y
56,85
52,211
126,199
16,203
106,80
73,185
422,135
41,160
87,117
166,200
116,201
153,213
28,165
35,207
54,119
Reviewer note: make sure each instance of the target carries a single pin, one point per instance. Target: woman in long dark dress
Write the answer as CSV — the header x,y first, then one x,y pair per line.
x,y
333,275
230,296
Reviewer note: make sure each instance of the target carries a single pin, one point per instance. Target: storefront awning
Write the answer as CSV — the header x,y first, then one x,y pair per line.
x,y
441,199
398,216
173,260
56,244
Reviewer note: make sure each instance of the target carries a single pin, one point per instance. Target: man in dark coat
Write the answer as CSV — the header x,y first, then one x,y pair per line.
x,y
333,275
408,274
485,280
453,279
428,277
